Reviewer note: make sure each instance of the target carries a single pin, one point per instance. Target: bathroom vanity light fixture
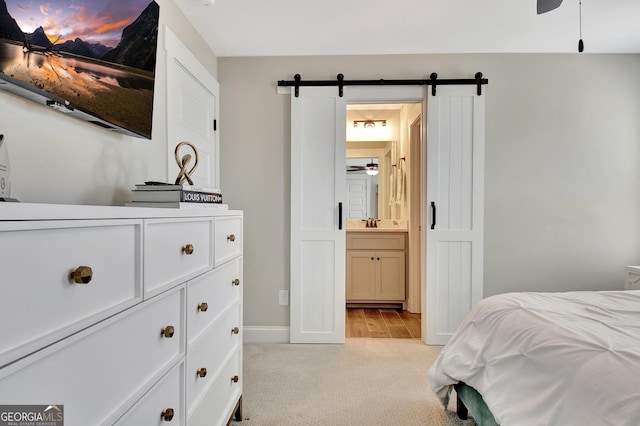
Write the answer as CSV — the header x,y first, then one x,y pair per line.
x,y
371,168
369,124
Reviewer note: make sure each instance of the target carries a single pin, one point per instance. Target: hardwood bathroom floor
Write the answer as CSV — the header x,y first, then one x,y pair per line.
x,y
390,323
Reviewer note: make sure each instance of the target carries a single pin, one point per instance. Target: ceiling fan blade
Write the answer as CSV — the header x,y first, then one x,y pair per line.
x,y
545,6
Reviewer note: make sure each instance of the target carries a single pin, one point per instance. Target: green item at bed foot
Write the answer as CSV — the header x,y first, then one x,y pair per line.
x,y
470,400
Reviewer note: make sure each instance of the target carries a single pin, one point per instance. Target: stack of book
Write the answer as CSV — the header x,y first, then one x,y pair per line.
x,y
156,194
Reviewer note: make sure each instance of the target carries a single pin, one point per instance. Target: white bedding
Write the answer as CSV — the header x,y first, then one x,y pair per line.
x,y
549,358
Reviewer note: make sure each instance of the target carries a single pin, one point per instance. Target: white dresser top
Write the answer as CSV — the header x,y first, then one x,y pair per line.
x,y
35,211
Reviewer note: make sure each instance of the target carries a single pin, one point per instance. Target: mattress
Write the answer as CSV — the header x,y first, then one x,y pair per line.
x,y
549,358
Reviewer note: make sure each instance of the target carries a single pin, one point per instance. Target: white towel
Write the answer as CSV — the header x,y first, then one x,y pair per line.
x,y
400,185
392,187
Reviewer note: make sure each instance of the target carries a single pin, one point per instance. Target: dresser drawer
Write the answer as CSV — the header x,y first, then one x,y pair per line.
x,y
206,360
176,250
163,403
40,302
219,400
96,371
228,239
216,291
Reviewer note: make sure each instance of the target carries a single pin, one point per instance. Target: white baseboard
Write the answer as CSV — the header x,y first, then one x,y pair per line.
x,y
258,334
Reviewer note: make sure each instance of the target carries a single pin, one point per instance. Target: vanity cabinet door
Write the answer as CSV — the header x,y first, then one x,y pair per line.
x,y
390,275
361,273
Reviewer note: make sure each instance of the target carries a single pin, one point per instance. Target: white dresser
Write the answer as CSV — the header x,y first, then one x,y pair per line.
x,y
128,316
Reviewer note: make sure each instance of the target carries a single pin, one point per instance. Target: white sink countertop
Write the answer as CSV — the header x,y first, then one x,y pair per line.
x,y
384,225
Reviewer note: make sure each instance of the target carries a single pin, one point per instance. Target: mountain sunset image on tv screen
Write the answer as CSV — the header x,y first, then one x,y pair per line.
x,y
94,56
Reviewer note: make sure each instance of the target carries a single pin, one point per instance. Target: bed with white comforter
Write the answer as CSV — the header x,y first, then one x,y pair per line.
x,y
549,358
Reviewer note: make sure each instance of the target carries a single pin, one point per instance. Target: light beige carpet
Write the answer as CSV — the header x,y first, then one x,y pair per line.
x,y
363,382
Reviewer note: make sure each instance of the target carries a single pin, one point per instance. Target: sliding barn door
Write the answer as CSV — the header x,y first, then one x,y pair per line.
x,y
318,191
455,194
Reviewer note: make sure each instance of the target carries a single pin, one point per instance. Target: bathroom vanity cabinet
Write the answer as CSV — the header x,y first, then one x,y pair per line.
x,y
376,266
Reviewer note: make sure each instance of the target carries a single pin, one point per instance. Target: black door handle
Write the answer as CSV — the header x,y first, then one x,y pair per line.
x,y
340,216
433,215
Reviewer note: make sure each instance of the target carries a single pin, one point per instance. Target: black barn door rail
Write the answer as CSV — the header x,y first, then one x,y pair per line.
x,y
433,81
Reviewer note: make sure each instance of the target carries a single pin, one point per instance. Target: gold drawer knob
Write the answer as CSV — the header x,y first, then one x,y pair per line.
x,y
188,249
167,415
231,238
235,330
81,275
235,282
235,379
203,307
202,372
168,331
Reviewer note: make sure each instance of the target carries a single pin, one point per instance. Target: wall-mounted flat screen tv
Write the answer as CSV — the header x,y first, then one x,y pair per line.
x,y
92,59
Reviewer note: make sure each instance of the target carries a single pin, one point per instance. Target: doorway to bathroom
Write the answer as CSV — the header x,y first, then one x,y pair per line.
x,y
382,247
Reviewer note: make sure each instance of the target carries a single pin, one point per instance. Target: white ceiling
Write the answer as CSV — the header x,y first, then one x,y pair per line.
x,y
359,27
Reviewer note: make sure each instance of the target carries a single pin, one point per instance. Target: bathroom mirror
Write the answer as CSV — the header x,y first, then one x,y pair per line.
x,y
361,153
362,189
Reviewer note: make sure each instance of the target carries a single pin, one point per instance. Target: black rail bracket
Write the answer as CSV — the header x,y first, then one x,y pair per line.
x,y
479,83
433,77
340,78
297,79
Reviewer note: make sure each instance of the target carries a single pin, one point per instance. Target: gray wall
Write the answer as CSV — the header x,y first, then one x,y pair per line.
x,y
562,190
58,159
